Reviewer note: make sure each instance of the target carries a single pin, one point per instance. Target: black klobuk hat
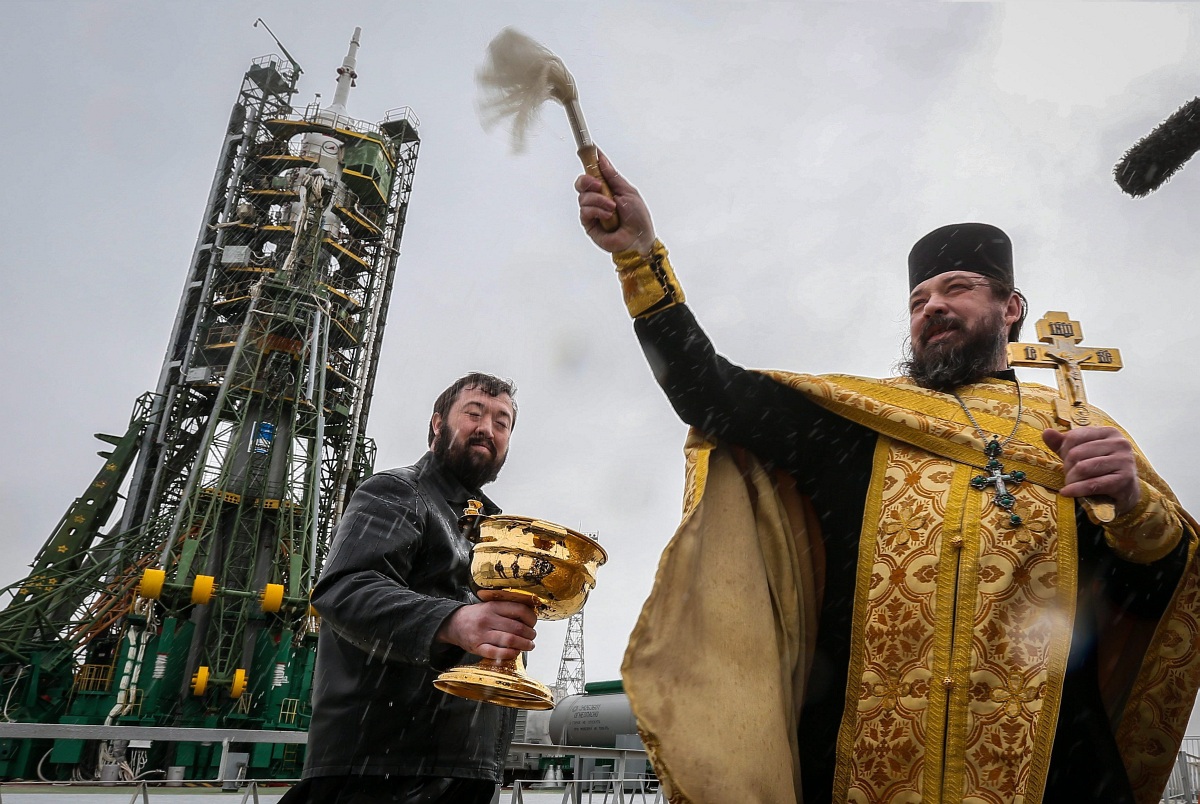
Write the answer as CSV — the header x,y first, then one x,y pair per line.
x,y
977,247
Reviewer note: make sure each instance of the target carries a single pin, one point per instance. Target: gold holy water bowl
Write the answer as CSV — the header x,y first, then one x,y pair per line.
x,y
528,561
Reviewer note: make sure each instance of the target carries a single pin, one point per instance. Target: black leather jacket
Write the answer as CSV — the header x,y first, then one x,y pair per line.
x,y
398,567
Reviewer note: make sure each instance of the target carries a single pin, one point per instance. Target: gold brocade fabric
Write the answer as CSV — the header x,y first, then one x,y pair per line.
x,y
962,622
716,665
962,626
648,283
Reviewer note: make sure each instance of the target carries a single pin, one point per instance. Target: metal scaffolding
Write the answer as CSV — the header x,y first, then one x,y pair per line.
x,y
572,674
193,610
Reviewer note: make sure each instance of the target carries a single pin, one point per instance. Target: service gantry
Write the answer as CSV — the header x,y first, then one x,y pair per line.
x,y
193,608
572,674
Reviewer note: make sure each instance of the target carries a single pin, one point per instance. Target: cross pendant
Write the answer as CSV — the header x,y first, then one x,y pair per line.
x,y
997,478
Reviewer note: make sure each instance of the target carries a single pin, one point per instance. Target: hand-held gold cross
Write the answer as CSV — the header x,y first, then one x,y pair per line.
x,y
1059,349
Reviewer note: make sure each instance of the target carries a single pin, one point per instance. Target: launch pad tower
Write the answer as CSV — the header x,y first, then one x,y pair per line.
x,y
192,609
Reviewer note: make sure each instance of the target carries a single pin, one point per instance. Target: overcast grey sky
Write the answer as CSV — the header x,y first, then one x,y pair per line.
x,y
791,153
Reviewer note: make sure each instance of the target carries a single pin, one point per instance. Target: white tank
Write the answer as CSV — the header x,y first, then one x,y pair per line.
x,y
592,720
537,727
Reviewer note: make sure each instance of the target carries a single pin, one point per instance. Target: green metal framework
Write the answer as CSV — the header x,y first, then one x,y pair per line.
x,y
193,610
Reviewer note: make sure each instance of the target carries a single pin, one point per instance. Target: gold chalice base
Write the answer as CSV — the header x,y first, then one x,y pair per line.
x,y
501,683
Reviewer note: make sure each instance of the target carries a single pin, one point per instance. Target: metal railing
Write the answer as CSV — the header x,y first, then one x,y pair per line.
x,y
226,737
313,113
612,781
141,789
640,789
607,781
1183,785
402,113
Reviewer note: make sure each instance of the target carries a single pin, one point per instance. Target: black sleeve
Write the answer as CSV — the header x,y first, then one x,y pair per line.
x,y
1143,590
364,593
746,408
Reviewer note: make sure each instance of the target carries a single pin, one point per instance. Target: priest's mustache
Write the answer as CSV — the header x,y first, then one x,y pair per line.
x,y
939,323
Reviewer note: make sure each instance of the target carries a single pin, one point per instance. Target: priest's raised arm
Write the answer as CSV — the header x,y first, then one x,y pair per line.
x,y
947,623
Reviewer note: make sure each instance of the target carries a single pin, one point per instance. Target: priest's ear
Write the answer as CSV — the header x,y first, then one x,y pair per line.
x,y
1014,314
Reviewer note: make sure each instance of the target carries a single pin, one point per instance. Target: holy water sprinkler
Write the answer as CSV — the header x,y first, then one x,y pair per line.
x,y
518,76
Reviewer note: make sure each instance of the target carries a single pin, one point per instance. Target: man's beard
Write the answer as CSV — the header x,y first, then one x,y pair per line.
x,y
472,469
946,365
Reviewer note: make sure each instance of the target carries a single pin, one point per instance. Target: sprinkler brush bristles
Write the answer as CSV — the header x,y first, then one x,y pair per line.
x,y
517,78
1156,157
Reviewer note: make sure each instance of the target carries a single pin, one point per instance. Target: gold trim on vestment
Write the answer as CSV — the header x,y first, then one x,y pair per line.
x,y
1068,578
648,282
936,423
946,540
1148,531
696,451
960,552
862,584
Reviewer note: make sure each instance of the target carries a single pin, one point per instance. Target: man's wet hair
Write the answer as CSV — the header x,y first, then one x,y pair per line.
x,y
492,386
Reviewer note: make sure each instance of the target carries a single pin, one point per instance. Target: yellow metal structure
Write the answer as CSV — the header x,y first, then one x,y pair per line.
x,y
151,585
200,680
272,598
202,589
239,683
93,677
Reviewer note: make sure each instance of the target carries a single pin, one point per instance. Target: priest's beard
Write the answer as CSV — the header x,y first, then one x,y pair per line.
x,y
472,469
945,365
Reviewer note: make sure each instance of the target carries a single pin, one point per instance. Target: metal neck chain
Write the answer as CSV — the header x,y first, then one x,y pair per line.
x,y
981,431
996,477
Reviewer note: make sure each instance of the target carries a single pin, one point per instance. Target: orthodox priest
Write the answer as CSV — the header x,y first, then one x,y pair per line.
x,y
848,612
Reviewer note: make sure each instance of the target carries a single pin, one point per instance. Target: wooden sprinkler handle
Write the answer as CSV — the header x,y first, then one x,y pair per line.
x,y
591,166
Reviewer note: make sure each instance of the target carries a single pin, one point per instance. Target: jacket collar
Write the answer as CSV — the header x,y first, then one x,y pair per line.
x,y
449,487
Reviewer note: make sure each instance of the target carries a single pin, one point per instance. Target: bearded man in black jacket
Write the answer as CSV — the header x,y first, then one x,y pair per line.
x,y
397,609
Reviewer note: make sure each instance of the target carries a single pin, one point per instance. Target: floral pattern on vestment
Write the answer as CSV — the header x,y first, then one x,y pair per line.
x,y
961,641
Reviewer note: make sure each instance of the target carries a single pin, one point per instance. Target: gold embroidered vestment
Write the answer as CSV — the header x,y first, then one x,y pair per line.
x,y
961,625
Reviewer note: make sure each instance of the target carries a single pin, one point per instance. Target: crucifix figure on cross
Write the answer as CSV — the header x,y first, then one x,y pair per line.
x,y
1060,350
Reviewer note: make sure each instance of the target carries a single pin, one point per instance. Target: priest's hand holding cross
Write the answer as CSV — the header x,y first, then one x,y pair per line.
x,y
1098,462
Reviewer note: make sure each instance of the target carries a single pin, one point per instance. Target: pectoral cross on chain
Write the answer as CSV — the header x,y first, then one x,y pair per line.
x,y
1061,351
998,478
